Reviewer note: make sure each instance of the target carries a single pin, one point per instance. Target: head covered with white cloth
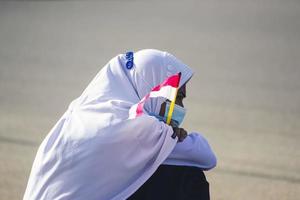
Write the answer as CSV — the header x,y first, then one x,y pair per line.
x,y
95,151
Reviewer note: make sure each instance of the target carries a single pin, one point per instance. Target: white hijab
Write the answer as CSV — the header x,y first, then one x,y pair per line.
x,y
94,151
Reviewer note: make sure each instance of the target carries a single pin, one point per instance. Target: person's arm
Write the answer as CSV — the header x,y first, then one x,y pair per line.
x,y
194,150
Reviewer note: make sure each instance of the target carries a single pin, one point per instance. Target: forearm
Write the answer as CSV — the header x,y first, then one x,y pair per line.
x,y
193,151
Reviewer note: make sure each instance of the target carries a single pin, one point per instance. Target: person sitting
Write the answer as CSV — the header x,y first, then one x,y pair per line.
x,y
120,138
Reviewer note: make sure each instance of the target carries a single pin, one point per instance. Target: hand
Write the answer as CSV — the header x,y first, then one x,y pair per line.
x,y
180,133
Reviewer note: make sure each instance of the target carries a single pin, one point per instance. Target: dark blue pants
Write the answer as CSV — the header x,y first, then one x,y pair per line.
x,y
174,183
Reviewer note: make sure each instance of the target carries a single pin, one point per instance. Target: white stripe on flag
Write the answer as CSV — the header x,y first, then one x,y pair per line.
x,y
167,92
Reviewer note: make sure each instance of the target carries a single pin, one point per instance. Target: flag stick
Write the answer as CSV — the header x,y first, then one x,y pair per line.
x,y
171,109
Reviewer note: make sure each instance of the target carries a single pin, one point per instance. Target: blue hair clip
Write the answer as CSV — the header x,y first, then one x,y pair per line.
x,y
129,59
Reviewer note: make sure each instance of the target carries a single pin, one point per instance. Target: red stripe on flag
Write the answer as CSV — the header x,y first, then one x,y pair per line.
x,y
139,109
171,81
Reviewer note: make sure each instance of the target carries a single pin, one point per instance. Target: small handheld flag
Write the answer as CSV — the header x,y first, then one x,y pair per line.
x,y
167,89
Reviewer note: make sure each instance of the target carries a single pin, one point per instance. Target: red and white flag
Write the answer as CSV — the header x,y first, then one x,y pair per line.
x,y
167,89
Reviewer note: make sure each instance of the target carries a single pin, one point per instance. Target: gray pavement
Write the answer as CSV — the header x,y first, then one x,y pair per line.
x,y
244,97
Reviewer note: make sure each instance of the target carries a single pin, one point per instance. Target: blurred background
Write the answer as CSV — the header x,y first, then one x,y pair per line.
x,y
244,97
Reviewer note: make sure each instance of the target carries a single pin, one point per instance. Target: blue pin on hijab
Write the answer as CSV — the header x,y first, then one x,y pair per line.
x,y
129,59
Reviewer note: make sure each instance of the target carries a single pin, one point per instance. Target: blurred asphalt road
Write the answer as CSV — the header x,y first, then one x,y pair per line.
x,y
244,97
